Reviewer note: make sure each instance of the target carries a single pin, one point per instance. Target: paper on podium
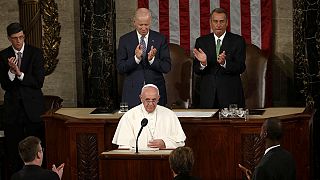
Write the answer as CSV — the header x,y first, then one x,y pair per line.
x,y
145,152
195,113
144,149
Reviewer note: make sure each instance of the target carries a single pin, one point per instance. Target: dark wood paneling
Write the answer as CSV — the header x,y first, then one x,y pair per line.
x,y
136,167
218,146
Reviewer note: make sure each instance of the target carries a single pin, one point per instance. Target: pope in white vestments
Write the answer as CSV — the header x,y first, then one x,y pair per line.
x,y
162,131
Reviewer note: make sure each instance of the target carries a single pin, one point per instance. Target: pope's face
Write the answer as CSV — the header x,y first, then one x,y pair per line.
x,y
149,97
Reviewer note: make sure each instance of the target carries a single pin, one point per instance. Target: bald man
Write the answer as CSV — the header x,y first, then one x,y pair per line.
x,y
143,57
276,163
162,131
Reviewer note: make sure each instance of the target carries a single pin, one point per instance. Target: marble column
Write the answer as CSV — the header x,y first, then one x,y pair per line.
x,y
306,37
97,22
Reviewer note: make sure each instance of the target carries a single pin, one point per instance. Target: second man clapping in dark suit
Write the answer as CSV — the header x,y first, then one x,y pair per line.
x,y
219,60
143,56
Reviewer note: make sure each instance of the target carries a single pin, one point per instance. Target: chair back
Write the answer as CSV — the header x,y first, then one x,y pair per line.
x,y
254,78
179,79
52,103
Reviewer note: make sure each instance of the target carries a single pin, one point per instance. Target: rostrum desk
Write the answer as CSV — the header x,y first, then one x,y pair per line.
x,y
144,165
77,138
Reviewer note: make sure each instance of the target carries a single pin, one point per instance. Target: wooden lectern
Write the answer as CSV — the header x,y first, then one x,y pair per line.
x,y
124,164
218,145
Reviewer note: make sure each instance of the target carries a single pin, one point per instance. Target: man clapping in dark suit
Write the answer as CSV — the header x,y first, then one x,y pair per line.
x,y
31,153
143,56
276,163
219,60
21,77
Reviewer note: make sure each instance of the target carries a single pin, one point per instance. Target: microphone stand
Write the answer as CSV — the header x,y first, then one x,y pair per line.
x,y
144,122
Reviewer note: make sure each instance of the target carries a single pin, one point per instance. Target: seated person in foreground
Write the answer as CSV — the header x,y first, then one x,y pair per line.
x,y
31,153
181,161
276,163
162,131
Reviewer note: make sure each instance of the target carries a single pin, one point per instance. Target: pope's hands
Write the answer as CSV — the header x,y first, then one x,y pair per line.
x,y
156,143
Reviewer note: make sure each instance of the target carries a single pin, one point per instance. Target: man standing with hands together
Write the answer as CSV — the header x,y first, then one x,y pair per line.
x,y
219,60
143,56
21,77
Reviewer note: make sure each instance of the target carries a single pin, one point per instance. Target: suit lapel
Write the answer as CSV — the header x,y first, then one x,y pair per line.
x,y
9,52
225,42
150,40
136,39
212,48
25,58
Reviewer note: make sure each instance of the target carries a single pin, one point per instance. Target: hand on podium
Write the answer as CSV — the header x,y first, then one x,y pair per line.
x,y
157,143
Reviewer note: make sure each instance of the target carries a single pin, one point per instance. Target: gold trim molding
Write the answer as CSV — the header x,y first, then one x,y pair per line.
x,y
51,34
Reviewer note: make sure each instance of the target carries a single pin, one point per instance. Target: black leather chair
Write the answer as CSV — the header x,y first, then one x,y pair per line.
x,y
179,79
181,88
254,78
52,103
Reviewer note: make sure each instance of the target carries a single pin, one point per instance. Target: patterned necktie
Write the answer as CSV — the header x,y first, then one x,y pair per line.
x,y
143,46
19,59
218,47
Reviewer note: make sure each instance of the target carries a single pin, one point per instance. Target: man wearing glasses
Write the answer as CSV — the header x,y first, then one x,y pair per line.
x,y
21,77
163,129
31,153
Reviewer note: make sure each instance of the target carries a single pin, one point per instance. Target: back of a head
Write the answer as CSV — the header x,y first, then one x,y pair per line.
x,y
181,160
14,28
273,128
28,148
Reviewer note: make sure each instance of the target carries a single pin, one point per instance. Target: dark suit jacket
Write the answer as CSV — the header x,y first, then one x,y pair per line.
x,y
34,172
185,177
29,89
137,74
277,164
217,82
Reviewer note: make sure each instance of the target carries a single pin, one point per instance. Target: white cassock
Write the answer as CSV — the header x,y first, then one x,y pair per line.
x,y
162,124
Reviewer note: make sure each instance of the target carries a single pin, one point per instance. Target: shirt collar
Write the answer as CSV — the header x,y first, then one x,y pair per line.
x,y
221,37
267,150
21,50
145,37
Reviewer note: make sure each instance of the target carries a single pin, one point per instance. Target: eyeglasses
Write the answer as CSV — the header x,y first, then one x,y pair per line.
x,y
17,38
153,101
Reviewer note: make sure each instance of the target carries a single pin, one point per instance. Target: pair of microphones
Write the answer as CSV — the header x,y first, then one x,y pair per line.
x,y
144,122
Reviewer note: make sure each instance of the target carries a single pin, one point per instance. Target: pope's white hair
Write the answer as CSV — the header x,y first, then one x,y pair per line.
x,y
148,86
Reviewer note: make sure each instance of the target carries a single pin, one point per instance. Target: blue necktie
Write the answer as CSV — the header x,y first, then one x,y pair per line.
x,y
143,46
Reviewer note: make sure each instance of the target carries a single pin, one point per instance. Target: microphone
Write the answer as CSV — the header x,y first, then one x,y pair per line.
x,y
144,122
